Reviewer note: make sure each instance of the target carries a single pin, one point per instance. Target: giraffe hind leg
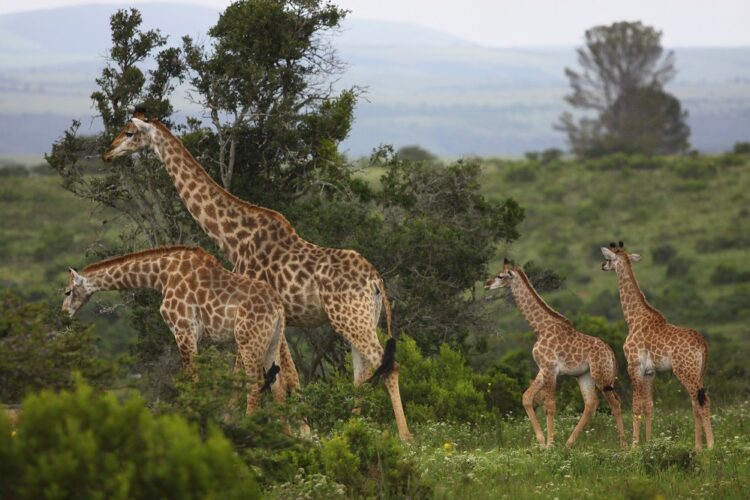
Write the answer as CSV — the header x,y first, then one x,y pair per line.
x,y
591,402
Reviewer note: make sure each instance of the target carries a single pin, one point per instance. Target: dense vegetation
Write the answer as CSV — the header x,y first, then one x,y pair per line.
x,y
435,230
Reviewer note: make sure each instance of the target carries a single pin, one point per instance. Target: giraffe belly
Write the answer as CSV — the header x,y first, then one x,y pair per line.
x,y
573,369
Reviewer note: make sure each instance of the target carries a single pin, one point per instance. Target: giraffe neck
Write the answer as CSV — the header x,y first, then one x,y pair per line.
x,y
137,270
225,218
634,304
533,308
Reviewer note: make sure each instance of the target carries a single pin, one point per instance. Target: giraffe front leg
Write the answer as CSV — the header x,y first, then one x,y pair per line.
x,y
636,379
550,407
528,405
648,401
591,402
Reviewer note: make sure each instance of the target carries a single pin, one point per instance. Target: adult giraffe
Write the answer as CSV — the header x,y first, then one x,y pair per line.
x,y
316,284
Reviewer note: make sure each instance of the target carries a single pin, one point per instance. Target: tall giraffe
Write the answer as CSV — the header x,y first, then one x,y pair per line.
x,y
317,284
654,345
200,299
560,349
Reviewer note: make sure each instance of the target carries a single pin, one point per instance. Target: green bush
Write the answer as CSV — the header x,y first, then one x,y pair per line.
x,y
725,274
663,254
371,464
40,347
83,445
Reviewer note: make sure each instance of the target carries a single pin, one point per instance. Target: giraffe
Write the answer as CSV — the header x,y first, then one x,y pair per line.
x,y
654,345
317,284
560,349
200,298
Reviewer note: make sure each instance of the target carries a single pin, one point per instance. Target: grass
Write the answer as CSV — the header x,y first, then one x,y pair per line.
x,y
505,462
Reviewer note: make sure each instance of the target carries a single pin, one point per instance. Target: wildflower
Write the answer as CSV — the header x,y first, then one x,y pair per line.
x,y
448,448
13,434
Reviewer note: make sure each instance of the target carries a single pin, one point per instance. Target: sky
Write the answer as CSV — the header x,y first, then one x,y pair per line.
x,y
517,23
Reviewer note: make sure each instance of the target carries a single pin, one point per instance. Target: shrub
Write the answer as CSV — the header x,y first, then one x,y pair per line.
x,y
370,463
40,347
695,168
678,267
523,173
663,254
741,148
83,445
725,274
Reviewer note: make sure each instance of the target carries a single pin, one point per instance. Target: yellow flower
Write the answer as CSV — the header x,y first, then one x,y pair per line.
x,y
13,434
448,448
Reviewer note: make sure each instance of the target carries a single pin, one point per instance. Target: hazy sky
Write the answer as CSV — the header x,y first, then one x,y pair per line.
x,y
503,23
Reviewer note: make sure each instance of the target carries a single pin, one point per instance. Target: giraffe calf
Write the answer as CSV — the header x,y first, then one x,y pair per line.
x,y
200,299
560,350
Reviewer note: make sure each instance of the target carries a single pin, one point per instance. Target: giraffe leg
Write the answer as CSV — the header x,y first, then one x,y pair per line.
x,y
686,374
648,401
706,420
613,400
290,379
351,314
591,402
636,380
234,399
550,406
528,405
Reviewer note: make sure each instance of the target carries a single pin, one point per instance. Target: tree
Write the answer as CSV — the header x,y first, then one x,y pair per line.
x,y
265,84
624,69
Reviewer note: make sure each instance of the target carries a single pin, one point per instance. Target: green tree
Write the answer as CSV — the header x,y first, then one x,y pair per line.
x,y
275,122
624,70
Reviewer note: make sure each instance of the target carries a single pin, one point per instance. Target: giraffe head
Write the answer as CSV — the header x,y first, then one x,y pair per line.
x,y
135,136
503,278
76,293
616,254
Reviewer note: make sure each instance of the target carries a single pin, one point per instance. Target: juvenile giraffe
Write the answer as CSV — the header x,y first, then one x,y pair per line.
x,y
200,299
560,349
654,345
316,284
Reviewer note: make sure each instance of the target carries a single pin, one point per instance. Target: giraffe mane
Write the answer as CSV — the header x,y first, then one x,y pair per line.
x,y
629,270
539,298
151,252
271,213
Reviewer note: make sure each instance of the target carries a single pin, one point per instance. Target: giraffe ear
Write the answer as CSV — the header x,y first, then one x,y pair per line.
x,y
608,254
634,257
142,125
77,278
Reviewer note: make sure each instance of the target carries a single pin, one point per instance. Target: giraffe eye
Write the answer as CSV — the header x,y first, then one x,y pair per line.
x,y
67,292
129,134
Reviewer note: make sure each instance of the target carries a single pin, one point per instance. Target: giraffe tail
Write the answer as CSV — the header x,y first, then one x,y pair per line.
x,y
269,377
386,303
388,363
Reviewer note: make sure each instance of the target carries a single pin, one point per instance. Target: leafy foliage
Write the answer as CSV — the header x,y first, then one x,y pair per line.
x,y
41,348
80,444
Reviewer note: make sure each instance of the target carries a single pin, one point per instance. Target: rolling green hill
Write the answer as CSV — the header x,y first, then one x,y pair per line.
x,y
689,219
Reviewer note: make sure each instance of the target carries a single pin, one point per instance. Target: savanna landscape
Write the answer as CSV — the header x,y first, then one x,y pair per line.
x,y
98,406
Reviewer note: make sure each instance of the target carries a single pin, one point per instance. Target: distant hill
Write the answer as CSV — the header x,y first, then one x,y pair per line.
x,y
423,86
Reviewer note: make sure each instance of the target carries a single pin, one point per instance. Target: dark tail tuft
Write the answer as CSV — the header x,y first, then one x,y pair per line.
x,y
388,363
269,377
608,388
701,396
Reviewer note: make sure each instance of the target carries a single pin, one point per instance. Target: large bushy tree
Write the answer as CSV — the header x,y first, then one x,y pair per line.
x,y
269,133
620,90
